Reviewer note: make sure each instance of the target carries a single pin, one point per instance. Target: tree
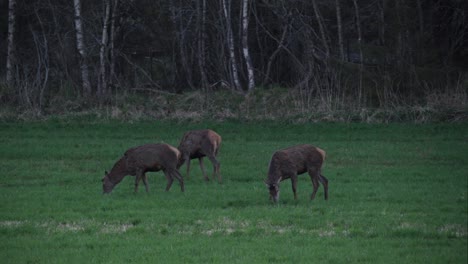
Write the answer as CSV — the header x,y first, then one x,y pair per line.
x,y
245,45
411,49
340,29
319,18
230,43
113,35
201,21
361,58
81,49
102,81
11,44
181,17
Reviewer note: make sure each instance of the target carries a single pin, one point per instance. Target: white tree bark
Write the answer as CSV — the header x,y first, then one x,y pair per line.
x,y
81,49
230,43
102,84
11,43
361,57
245,45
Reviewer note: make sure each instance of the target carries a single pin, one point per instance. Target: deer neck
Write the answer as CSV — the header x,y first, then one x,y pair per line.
x,y
274,173
119,171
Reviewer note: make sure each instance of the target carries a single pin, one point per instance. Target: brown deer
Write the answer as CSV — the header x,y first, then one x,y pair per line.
x,y
198,144
139,160
290,162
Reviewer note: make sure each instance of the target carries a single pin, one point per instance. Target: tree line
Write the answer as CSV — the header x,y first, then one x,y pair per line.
x,y
366,52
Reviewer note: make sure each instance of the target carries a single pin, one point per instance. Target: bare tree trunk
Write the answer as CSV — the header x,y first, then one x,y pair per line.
x,y
81,49
177,17
42,75
340,29
11,44
420,38
321,28
361,59
102,81
113,33
400,46
381,4
266,79
245,45
420,16
201,42
230,43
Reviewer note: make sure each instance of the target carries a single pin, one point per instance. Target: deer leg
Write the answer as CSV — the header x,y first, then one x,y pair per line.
x,y
294,185
202,167
138,177
324,182
216,166
176,174
169,180
314,176
145,181
188,167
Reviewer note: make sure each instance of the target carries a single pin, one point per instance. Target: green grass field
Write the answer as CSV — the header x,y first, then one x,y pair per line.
x,y
398,194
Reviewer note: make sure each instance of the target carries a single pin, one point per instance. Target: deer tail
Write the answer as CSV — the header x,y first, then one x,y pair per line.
x,y
217,145
322,153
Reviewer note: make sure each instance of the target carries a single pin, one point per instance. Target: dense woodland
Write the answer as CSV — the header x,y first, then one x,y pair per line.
x,y
370,53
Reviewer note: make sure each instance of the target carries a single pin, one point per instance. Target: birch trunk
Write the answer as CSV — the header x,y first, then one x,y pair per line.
x,y
230,43
245,45
11,43
81,49
361,57
102,83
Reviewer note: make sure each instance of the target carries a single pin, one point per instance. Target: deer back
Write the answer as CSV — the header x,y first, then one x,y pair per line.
x,y
294,160
151,157
305,157
200,142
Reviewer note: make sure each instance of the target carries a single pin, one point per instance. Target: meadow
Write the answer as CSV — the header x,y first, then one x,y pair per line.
x,y
398,194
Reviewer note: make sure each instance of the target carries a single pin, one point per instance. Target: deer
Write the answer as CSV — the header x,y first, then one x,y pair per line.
x,y
138,160
290,162
198,144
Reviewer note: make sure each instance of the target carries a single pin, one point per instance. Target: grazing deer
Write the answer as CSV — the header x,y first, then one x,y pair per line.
x,y
290,162
139,160
198,144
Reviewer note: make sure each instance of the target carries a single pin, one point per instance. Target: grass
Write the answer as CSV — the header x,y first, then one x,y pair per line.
x,y
398,194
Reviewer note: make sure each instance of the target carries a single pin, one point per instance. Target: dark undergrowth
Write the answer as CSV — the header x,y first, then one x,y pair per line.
x,y
279,104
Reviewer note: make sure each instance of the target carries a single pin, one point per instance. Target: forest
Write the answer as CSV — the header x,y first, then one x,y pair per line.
x,y
344,54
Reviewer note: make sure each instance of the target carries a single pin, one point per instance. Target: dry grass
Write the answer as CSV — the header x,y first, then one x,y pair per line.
x,y
292,105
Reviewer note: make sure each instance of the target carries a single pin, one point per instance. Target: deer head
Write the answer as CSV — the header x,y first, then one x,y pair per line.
x,y
107,184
